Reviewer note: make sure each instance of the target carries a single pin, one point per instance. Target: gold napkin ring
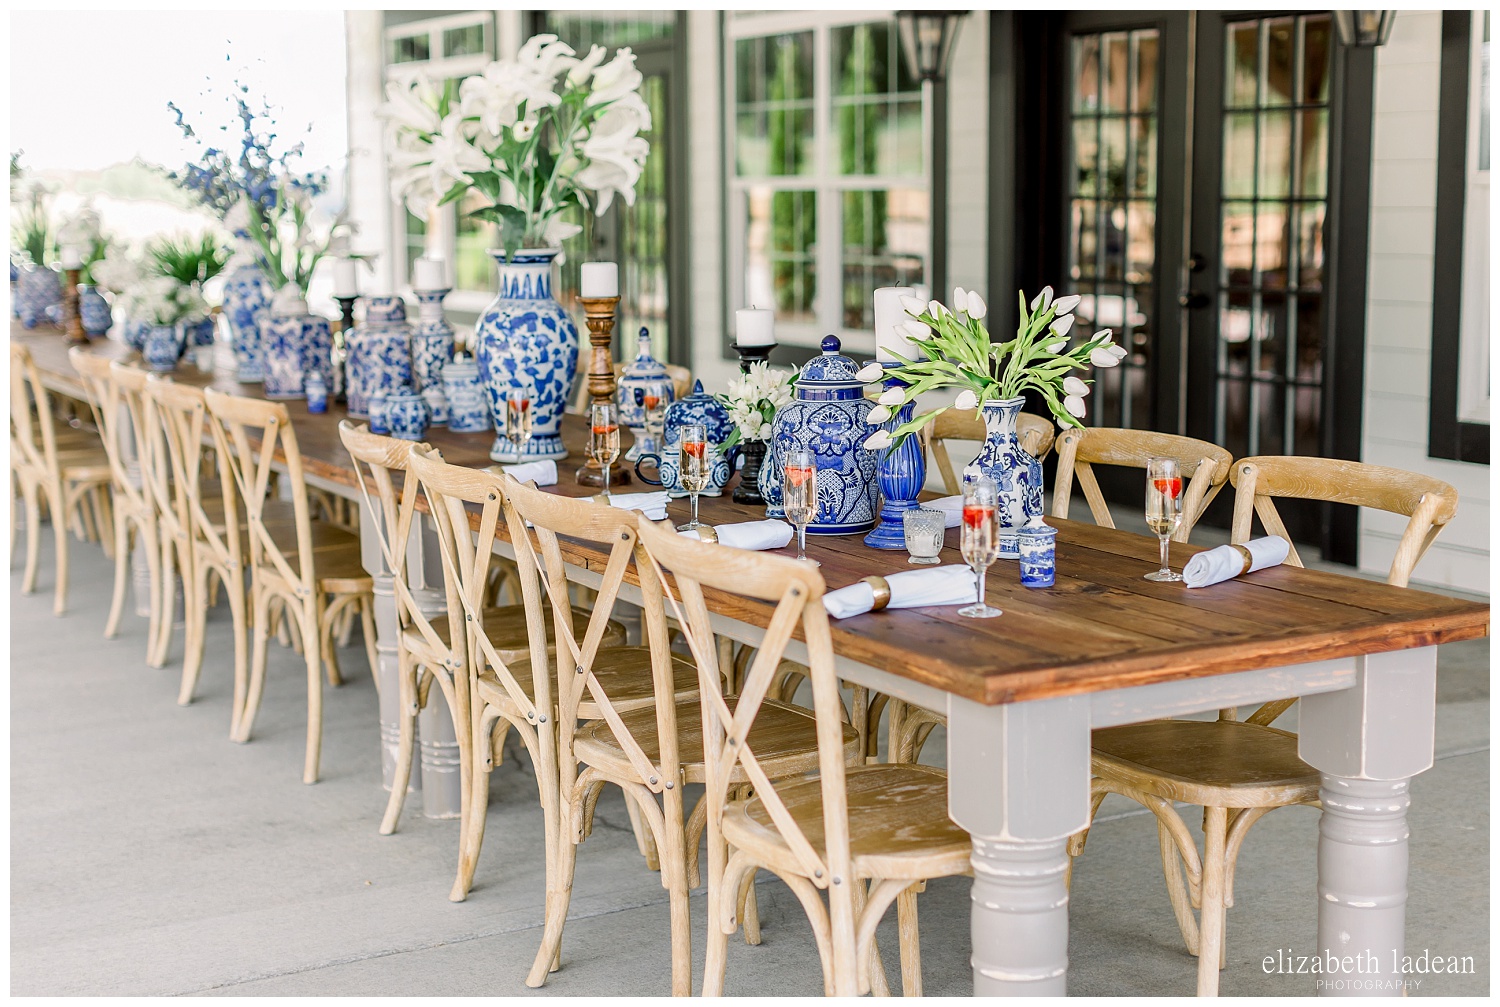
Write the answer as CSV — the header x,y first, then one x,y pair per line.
x,y
600,498
882,591
1248,559
707,533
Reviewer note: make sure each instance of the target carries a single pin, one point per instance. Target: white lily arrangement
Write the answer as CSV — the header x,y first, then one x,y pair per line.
x,y
163,300
753,399
534,135
957,352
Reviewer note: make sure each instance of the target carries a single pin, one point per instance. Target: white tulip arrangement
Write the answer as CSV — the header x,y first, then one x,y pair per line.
x,y
753,399
957,352
534,135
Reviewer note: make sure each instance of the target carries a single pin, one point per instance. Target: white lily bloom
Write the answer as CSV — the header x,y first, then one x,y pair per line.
x,y
557,231
1062,325
976,305
872,371
913,305
615,79
966,400
579,75
879,439
1100,356
892,397
1042,300
1075,386
453,156
1074,404
545,56
411,104
878,415
1065,305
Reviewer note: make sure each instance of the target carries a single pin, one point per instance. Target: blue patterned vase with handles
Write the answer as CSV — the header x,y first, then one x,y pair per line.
x,y
93,310
431,349
1014,470
468,407
643,377
163,346
37,289
525,337
247,299
667,463
295,342
828,418
379,351
406,415
901,474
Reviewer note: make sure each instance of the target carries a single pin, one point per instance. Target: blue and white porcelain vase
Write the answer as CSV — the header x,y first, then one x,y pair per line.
x,y
201,331
1015,471
316,391
93,310
769,484
1038,553
379,353
828,418
406,415
901,474
700,408
134,332
468,407
295,342
642,378
15,275
377,414
247,299
37,289
431,349
525,337
163,346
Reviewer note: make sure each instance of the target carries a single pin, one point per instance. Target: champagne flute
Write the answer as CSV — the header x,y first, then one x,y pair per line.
x,y
604,437
1163,509
799,495
655,404
518,416
693,467
979,538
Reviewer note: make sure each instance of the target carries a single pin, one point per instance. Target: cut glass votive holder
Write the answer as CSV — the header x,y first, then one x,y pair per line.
x,y
924,534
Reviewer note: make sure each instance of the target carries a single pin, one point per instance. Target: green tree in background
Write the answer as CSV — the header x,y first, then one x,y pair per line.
x,y
793,214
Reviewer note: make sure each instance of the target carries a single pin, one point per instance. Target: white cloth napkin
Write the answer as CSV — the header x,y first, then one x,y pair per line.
x,y
952,508
544,472
936,585
653,505
1213,566
767,534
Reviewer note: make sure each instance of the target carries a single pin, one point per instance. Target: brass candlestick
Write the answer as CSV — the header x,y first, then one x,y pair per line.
x,y
72,320
599,316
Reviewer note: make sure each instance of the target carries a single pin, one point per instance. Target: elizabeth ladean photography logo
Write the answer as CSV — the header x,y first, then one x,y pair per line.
x,y
1367,970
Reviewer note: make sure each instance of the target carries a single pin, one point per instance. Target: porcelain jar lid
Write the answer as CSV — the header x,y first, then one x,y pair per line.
x,y
385,309
830,376
699,407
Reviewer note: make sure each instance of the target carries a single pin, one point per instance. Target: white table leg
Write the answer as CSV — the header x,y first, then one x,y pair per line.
x,y
1018,781
386,630
1368,742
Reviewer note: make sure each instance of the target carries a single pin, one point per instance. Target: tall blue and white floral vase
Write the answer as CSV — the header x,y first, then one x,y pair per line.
x,y
37,289
379,350
1015,471
526,338
431,349
295,343
247,299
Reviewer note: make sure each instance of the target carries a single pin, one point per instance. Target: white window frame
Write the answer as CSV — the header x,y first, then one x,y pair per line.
x,y
824,180
1474,290
442,227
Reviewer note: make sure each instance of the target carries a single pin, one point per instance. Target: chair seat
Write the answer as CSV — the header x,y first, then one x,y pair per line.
x,y
337,560
624,673
1212,763
898,824
784,739
506,628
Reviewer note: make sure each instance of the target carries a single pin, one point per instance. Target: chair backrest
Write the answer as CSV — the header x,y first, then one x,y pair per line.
x,y
249,434
106,399
539,557
182,415
1428,503
33,437
1079,450
796,589
1036,434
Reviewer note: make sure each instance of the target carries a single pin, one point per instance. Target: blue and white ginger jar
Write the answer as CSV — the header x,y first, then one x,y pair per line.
x,y
468,407
406,415
702,408
93,310
525,337
431,349
379,354
828,418
644,376
164,345
134,333
1015,471
247,299
37,289
294,342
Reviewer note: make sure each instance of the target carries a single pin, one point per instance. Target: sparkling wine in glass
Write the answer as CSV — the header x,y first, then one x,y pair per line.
x,y
799,495
1163,509
979,538
693,464
604,437
518,416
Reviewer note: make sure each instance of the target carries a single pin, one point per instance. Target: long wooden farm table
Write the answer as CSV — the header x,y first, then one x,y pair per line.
x,y
1101,648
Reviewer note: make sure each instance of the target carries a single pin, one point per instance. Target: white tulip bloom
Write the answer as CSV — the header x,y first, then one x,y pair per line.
x,y
878,415
1105,334
1042,301
873,371
1075,386
913,305
937,309
1117,350
966,400
1062,324
976,305
892,397
914,329
1074,404
1100,356
960,298
879,439
1065,305
1056,347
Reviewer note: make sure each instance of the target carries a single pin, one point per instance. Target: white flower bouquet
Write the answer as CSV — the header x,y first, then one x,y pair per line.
x,y
163,300
753,399
534,135
957,352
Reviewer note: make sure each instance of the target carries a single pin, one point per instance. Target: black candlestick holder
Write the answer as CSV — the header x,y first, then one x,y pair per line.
x,y
340,355
753,355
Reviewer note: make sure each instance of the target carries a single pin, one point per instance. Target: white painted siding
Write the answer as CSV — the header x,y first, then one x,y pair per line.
x,y
1399,324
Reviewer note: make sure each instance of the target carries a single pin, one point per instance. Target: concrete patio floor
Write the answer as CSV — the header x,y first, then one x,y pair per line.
x,y
150,855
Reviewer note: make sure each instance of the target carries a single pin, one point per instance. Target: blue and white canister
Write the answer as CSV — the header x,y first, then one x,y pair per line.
x,y
406,415
1038,545
37,289
379,353
431,348
642,378
93,310
376,405
316,390
468,408
163,346
134,333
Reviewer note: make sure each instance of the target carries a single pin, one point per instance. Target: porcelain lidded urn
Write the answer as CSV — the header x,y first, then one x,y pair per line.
x,y
379,354
643,379
828,418
432,342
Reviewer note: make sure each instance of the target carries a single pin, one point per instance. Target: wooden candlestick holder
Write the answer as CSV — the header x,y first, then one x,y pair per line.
x,y
599,316
72,321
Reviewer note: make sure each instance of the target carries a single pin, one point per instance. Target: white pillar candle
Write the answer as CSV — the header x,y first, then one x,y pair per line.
x,y
599,279
72,257
345,278
429,274
755,327
888,314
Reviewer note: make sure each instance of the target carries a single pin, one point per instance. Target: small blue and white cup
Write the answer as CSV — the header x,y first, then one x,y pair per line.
x,y
1038,544
317,392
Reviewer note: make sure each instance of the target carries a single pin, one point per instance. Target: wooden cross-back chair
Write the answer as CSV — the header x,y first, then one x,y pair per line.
x,y
69,472
1238,771
204,519
864,836
132,508
311,569
1036,434
1205,465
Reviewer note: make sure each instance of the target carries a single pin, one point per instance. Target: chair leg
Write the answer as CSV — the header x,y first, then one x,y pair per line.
x,y
167,611
122,575
471,839
234,587
401,777
911,945
643,838
33,536
367,630
60,541
749,909
260,619
1211,921
312,624
560,865
716,946
1177,889
327,636
195,614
